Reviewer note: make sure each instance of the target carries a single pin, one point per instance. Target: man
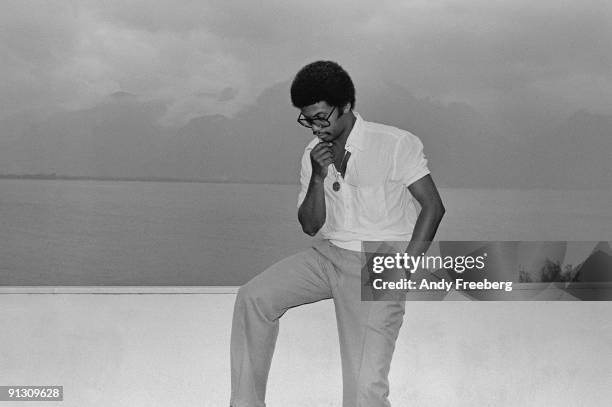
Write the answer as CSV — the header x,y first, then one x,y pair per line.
x,y
356,181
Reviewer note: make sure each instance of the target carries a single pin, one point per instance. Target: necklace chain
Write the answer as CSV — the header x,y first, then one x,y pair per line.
x,y
341,172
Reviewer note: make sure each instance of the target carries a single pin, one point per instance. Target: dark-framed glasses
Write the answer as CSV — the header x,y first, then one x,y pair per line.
x,y
317,121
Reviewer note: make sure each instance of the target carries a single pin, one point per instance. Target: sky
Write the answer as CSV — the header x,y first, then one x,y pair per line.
x,y
507,58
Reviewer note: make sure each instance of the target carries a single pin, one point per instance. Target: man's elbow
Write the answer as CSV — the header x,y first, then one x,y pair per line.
x,y
441,209
436,209
310,230
308,227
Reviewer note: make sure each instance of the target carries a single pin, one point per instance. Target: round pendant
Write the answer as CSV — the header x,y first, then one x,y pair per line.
x,y
336,186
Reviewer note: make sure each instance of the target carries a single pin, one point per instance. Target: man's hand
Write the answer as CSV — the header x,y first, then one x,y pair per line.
x,y
312,211
320,158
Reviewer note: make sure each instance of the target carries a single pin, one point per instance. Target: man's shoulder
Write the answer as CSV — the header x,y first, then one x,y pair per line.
x,y
380,132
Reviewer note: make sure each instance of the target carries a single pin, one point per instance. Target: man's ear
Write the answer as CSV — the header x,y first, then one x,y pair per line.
x,y
346,108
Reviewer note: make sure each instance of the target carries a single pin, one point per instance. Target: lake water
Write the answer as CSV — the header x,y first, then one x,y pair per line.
x,y
147,233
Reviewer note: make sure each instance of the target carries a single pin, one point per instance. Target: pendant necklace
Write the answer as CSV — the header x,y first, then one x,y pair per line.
x,y
336,184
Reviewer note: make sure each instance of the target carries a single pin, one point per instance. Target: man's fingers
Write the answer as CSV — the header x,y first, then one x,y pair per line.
x,y
325,161
320,156
324,155
322,147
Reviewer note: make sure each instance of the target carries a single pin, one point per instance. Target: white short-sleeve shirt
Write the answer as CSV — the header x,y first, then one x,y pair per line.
x,y
373,202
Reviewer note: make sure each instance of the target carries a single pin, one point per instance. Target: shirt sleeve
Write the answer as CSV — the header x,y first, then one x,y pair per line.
x,y
409,162
305,172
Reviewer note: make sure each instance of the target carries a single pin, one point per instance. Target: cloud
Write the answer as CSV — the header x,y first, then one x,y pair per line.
x,y
71,55
489,54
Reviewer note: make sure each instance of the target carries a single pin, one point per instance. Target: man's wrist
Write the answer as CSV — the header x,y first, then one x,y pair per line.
x,y
317,179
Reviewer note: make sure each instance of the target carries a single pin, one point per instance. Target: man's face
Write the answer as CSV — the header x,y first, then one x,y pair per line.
x,y
322,110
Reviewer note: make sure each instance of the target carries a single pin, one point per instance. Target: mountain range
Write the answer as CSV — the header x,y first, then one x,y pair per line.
x,y
123,137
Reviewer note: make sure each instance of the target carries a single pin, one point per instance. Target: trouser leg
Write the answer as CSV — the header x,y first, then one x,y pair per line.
x,y
296,280
367,331
367,343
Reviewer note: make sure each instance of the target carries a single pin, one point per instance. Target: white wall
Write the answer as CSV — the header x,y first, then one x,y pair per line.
x,y
171,349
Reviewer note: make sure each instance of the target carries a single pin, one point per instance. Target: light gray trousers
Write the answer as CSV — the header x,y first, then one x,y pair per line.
x,y
367,329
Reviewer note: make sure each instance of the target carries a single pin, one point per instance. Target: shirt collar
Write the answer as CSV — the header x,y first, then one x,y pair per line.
x,y
356,136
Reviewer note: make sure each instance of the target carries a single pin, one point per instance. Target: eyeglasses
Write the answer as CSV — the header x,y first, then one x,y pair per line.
x,y
321,123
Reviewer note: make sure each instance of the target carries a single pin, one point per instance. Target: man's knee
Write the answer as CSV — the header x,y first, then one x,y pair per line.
x,y
247,293
253,297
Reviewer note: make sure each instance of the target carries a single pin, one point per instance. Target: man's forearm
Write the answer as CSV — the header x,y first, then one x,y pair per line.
x,y
425,229
312,211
